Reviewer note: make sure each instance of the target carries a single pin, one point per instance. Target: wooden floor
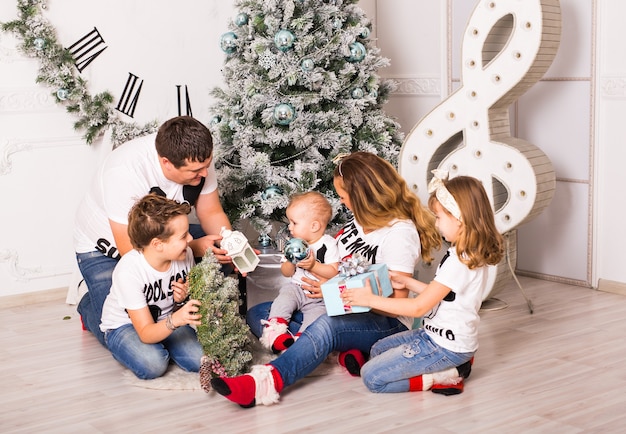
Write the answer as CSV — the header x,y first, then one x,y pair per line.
x,y
559,370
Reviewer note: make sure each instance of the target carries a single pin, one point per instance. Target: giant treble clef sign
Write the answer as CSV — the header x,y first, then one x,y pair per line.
x,y
507,47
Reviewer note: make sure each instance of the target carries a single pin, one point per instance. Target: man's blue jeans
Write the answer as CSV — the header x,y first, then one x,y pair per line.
x,y
148,361
97,270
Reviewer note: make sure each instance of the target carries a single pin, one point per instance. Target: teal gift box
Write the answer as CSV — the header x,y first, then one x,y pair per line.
x,y
378,275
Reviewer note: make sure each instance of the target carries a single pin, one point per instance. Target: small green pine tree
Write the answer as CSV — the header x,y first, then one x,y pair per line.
x,y
223,333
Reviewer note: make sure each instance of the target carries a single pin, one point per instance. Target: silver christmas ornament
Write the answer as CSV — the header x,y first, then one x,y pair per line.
x,y
228,42
284,40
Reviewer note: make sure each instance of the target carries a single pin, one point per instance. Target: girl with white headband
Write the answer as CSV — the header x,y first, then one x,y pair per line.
x,y
438,355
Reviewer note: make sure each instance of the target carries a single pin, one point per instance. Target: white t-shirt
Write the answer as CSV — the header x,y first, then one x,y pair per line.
x,y
325,250
397,245
453,323
127,174
137,285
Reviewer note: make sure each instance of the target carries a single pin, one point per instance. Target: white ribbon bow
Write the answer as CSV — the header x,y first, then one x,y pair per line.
x,y
442,194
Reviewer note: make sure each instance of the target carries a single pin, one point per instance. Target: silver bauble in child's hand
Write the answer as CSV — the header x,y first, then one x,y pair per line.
x,y
296,249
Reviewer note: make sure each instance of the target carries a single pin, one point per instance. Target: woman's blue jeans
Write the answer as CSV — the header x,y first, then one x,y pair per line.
x,y
148,361
327,334
395,359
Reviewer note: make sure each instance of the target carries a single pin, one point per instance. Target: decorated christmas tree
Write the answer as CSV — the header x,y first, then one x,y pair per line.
x,y
301,87
223,333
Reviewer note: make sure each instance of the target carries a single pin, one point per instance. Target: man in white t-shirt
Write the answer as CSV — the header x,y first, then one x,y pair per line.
x,y
176,162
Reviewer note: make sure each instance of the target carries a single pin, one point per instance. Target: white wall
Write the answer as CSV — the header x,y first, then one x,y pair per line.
x,y
610,152
573,115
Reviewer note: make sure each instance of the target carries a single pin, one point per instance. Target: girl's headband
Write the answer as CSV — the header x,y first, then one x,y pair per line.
x,y
442,194
338,160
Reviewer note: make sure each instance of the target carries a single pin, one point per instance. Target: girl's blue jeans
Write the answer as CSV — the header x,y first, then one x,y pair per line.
x,y
148,361
327,334
395,359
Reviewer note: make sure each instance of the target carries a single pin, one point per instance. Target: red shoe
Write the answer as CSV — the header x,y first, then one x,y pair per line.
x,y
448,389
352,360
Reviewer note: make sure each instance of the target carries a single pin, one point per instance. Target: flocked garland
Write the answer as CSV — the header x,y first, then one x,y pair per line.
x,y
57,70
223,333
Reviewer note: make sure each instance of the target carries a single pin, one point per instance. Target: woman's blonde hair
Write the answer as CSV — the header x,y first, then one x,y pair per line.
x,y
479,243
379,195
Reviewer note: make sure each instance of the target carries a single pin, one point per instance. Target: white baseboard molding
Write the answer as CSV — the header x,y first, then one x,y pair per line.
x,y
33,297
612,286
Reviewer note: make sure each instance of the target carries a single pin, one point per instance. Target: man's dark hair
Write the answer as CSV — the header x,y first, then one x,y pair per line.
x,y
184,138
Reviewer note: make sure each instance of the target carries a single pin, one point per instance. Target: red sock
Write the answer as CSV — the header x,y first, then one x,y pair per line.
x,y
415,384
278,380
240,390
282,342
352,360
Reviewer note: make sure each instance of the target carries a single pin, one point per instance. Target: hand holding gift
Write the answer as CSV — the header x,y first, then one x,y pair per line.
x,y
355,273
359,296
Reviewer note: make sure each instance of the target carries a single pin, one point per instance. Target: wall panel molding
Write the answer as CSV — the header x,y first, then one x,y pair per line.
x,y
27,274
26,100
411,86
13,146
17,272
613,87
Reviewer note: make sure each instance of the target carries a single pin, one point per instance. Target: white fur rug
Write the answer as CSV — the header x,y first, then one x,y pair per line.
x,y
177,379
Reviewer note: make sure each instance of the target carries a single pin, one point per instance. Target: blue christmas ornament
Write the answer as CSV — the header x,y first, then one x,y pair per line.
x,y
39,43
271,191
216,120
357,52
241,19
307,64
265,240
365,33
284,114
284,40
357,93
228,42
373,93
296,250
62,94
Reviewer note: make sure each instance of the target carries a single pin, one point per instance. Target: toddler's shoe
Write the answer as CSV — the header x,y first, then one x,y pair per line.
x,y
276,336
